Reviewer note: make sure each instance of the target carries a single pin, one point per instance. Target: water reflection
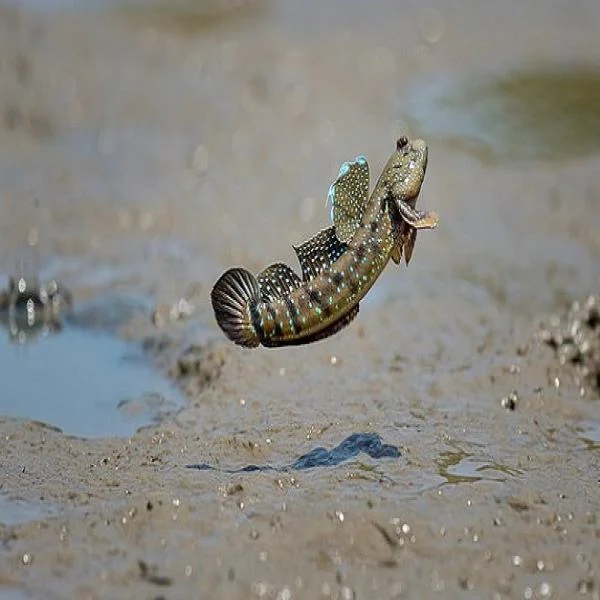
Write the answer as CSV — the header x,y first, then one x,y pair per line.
x,y
29,308
590,436
86,381
549,113
458,466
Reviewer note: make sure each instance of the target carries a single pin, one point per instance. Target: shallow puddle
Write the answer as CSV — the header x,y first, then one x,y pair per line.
x,y
591,437
186,16
14,593
539,114
84,380
13,512
462,467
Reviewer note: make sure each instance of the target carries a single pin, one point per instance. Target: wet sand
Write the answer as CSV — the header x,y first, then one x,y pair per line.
x,y
150,152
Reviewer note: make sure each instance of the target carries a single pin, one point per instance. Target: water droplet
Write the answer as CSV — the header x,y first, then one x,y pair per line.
x,y
540,565
347,593
517,560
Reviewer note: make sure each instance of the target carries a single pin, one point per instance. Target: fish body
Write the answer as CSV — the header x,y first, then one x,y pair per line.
x,y
339,265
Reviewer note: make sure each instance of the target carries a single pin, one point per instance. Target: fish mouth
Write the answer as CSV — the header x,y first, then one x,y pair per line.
x,y
420,147
403,144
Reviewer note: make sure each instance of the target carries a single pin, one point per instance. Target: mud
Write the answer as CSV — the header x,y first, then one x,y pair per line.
x,y
576,339
142,154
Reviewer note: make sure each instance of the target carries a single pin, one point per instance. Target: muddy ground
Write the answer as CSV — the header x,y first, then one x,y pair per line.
x,y
148,150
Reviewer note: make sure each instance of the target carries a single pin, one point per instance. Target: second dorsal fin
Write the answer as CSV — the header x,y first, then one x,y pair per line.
x,y
319,253
277,281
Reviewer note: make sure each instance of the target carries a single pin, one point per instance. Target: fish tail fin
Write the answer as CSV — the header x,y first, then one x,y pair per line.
x,y
234,297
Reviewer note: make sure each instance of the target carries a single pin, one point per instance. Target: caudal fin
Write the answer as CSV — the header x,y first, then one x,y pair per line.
x,y
235,292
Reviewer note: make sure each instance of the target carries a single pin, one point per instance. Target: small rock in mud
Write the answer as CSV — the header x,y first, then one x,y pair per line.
x,y
149,573
575,337
510,402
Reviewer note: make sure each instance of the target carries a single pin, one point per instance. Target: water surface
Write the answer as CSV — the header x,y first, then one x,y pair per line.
x,y
546,113
87,383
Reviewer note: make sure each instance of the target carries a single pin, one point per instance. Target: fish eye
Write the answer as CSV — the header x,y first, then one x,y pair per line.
x,y
401,143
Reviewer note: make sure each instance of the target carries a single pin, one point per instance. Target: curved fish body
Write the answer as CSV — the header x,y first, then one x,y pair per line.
x,y
339,265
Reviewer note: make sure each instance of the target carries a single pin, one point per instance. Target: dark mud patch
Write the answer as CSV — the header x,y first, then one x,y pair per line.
x,y
547,113
188,17
368,443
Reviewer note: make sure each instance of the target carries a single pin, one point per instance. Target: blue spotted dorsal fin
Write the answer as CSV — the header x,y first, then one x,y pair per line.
x,y
348,195
319,253
277,281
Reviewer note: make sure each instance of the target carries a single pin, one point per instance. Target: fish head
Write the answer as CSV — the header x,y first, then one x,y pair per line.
x,y
405,170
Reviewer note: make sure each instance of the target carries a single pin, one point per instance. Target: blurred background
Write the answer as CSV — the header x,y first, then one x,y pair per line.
x,y
147,141
147,145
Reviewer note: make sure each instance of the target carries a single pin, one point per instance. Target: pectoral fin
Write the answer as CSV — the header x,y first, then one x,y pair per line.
x,y
417,218
413,221
405,244
409,245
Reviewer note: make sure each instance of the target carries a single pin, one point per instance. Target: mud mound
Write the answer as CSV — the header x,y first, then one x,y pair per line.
x,y
575,337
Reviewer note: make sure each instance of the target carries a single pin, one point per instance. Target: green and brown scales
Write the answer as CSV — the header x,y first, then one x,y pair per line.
x,y
339,265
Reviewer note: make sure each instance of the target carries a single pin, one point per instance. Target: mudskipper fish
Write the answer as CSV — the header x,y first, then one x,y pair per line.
x,y
339,265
